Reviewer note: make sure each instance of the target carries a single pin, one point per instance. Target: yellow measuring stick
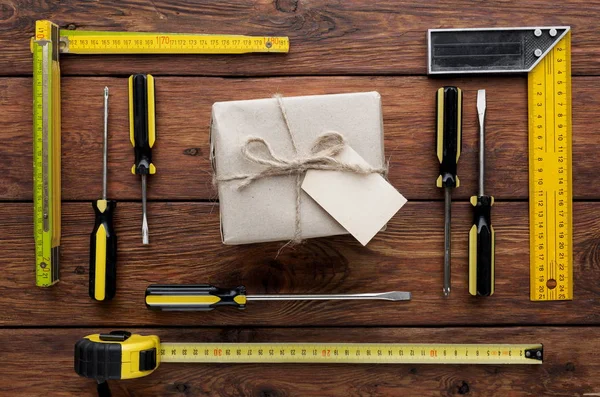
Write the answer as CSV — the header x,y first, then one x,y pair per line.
x,y
46,153
48,42
80,42
550,181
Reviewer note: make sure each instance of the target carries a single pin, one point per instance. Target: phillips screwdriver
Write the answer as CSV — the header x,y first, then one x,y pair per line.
x,y
481,236
142,133
103,241
204,297
448,142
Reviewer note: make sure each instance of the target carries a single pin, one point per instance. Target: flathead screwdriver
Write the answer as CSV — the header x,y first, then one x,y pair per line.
x,y
448,144
481,235
204,297
142,133
103,241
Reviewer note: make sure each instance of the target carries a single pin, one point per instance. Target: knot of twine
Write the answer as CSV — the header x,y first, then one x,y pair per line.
x,y
321,157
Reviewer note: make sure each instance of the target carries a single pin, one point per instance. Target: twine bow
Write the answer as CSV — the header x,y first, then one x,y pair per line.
x,y
321,157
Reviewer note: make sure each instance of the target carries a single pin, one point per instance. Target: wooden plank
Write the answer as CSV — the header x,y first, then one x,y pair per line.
x,y
182,152
344,37
40,361
185,248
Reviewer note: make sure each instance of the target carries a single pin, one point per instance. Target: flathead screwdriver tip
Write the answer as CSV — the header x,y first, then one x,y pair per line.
x,y
481,103
145,231
394,296
447,292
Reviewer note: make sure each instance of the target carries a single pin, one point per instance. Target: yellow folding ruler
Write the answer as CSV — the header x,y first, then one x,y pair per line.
x,y
50,41
121,355
545,54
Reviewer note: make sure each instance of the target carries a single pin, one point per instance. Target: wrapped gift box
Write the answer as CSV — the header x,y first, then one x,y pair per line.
x,y
265,209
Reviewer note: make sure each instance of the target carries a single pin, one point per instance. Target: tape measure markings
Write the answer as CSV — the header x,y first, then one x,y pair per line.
x,y
550,176
166,43
46,142
373,353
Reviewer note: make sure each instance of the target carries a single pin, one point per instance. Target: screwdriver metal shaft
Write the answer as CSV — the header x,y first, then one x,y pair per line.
x,y
388,296
481,105
105,151
447,238
145,232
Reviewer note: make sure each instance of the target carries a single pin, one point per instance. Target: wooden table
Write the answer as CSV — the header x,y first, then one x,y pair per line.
x,y
336,47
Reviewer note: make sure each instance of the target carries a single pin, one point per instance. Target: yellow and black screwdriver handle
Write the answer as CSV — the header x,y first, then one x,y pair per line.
x,y
142,125
481,248
200,297
103,252
448,134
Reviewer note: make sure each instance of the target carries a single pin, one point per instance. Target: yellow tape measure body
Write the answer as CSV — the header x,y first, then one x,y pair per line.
x,y
81,42
347,353
550,181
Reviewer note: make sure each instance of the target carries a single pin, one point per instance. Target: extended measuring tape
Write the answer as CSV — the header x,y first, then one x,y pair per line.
x,y
46,45
121,355
545,54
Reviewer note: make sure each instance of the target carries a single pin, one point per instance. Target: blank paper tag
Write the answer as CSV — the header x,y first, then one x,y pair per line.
x,y
362,204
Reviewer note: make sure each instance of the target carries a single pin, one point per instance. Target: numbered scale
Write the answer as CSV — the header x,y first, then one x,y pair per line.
x,y
349,353
550,186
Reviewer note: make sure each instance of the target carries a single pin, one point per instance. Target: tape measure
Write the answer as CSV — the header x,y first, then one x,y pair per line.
x,y
49,41
550,181
135,356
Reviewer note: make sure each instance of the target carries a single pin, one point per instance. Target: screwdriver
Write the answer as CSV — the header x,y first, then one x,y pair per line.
x,y
204,297
448,141
103,241
481,236
142,133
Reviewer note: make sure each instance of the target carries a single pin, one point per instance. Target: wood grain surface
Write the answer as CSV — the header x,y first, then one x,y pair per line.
x,y
181,152
336,47
186,249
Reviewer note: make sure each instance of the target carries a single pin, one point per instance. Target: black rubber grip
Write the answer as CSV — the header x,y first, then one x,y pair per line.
x,y
97,360
104,219
142,148
448,133
485,246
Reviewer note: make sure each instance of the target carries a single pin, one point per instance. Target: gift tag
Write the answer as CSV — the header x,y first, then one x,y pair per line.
x,y
362,204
